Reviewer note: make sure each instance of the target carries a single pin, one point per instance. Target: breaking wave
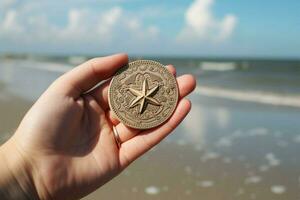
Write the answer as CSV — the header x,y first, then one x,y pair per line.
x,y
250,96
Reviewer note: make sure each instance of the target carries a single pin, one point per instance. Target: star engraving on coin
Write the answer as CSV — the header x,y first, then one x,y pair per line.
x,y
143,94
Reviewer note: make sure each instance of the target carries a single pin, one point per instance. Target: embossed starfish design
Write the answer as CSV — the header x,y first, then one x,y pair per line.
x,y
143,97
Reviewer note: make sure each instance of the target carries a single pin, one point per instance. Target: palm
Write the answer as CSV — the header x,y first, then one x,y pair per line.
x,y
90,147
80,139
70,131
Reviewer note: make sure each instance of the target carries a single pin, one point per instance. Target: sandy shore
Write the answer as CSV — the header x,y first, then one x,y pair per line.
x,y
13,108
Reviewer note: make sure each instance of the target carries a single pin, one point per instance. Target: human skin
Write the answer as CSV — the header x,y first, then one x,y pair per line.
x,y
64,147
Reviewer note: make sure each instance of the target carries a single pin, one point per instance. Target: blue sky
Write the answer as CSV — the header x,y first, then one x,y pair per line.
x,y
142,27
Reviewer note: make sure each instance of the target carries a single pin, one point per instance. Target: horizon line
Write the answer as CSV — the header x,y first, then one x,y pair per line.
x,y
173,56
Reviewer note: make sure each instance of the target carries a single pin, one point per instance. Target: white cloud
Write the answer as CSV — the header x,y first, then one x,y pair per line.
x,y
201,24
44,26
77,27
4,4
108,21
10,23
227,26
134,24
153,30
112,16
83,26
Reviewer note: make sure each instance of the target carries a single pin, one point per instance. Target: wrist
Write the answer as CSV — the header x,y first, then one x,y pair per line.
x,y
16,174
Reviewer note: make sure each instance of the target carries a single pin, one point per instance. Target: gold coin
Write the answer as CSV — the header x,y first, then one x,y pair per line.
x,y
143,94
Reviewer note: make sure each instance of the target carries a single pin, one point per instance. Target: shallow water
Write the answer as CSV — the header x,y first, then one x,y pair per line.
x,y
227,148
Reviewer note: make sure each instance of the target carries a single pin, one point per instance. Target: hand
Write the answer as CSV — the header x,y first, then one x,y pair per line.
x,y
65,144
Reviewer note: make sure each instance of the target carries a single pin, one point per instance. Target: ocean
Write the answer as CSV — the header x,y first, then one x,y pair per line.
x,y
240,141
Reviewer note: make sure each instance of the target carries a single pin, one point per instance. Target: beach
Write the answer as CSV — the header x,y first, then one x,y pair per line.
x,y
240,141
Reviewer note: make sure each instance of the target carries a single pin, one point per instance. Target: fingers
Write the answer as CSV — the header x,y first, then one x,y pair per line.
x,y
101,94
125,132
141,143
87,75
171,69
186,84
112,118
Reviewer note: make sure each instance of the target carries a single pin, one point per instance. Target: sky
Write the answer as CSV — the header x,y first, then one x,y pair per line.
x,y
216,28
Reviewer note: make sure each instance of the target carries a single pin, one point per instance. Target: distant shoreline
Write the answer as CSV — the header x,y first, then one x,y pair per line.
x,y
7,55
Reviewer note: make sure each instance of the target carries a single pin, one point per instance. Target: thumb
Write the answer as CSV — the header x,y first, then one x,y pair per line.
x,y
85,76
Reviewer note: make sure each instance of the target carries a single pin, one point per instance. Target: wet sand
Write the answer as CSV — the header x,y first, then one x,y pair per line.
x,y
12,108
225,149
231,158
